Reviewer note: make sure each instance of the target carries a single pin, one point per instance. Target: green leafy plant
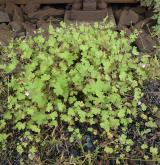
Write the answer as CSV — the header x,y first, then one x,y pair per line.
x,y
86,76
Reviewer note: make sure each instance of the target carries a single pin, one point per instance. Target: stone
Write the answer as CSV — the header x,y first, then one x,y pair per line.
x,y
3,26
127,31
145,43
16,26
42,24
29,28
19,34
10,6
4,18
44,13
5,34
139,10
149,13
117,14
158,123
128,17
31,7
158,115
18,14
142,23
2,7
150,163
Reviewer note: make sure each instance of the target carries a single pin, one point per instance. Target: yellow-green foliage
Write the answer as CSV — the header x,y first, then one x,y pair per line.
x,y
87,76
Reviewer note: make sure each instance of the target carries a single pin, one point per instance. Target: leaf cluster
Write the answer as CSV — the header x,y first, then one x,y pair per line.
x,y
86,75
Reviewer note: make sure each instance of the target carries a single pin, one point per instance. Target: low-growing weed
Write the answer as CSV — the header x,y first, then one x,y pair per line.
x,y
80,86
